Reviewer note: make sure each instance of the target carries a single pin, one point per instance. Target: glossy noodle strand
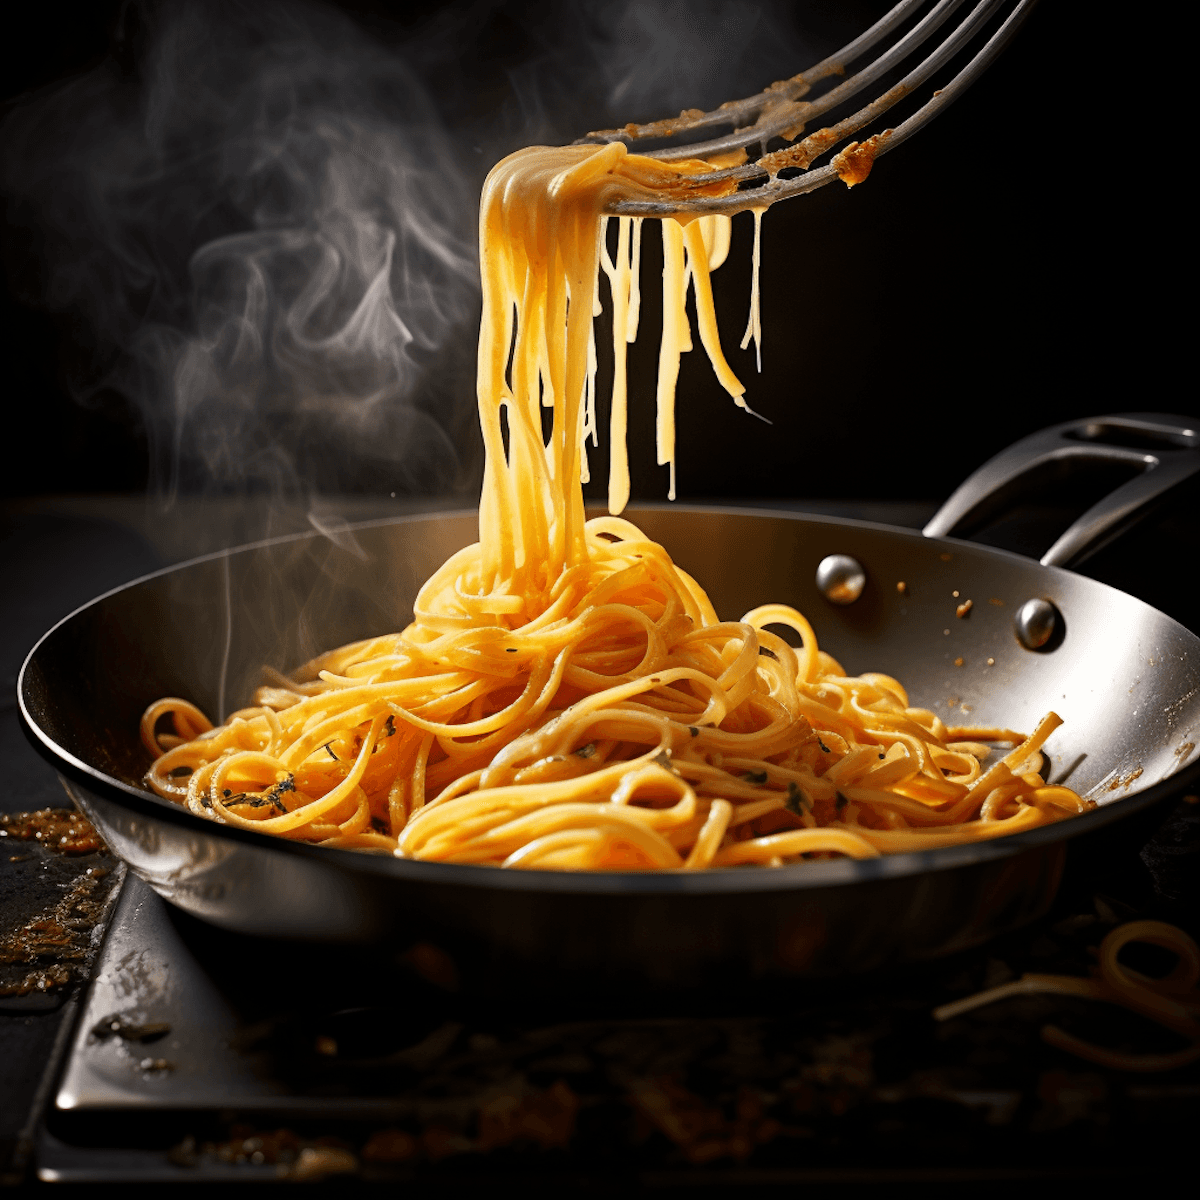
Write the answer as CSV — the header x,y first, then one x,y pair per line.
x,y
565,697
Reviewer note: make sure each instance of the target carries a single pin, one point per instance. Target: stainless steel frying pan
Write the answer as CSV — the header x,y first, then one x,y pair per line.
x,y
1125,677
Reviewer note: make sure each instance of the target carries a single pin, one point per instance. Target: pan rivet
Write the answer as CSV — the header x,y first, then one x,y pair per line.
x,y
841,579
1036,622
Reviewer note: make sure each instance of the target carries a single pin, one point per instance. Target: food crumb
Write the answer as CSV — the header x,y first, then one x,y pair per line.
x,y
946,632
315,1163
958,662
964,608
955,593
1118,782
996,601
853,164
991,662
902,588
945,556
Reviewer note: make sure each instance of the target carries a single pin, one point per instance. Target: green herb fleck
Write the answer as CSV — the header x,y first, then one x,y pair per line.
x,y
755,777
277,793
274,794
822,745
586,751
693,731
841,802
797,799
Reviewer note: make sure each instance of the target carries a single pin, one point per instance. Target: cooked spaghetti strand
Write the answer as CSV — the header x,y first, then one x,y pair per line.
x,y
566,697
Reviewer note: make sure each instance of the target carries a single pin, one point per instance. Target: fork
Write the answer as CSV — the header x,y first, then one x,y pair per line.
x,y
780,113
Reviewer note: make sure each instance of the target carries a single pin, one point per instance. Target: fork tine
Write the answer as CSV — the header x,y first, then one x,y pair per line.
x,y
738,112
783,117
799,155
946,96
812,147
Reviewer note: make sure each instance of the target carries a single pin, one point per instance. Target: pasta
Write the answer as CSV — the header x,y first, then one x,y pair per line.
x,y
565,696
1172,1001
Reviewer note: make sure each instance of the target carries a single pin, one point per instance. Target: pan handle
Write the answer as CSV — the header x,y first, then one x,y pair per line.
x,y
1164,449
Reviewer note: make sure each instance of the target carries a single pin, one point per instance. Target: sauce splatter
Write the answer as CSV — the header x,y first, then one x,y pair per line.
x,y
61,829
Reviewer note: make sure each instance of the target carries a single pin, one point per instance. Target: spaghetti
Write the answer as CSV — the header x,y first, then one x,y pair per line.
x,y
566,697
1172,1001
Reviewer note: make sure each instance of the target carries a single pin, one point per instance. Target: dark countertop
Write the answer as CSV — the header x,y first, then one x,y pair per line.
x,y
835,1085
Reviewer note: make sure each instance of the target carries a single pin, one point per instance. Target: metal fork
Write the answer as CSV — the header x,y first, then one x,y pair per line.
x,y
779,114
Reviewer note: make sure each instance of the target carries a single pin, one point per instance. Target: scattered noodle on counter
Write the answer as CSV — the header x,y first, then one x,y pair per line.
x,y
566,697
1173,1001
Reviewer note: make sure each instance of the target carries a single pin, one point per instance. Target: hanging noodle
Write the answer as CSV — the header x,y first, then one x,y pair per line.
x,y
565,696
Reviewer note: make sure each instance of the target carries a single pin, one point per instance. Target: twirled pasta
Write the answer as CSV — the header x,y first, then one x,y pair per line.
x,y
566,697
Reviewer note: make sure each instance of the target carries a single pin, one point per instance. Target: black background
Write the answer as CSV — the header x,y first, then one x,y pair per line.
x,y
997,274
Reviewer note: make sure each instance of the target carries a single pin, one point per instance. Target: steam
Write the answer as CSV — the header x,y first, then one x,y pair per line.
x,y
271,245
261,218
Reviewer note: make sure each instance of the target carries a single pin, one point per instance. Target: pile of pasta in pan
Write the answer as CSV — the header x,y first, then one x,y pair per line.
x,y
566,697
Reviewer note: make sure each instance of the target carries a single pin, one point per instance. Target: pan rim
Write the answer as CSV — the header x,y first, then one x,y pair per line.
x,y
797,877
